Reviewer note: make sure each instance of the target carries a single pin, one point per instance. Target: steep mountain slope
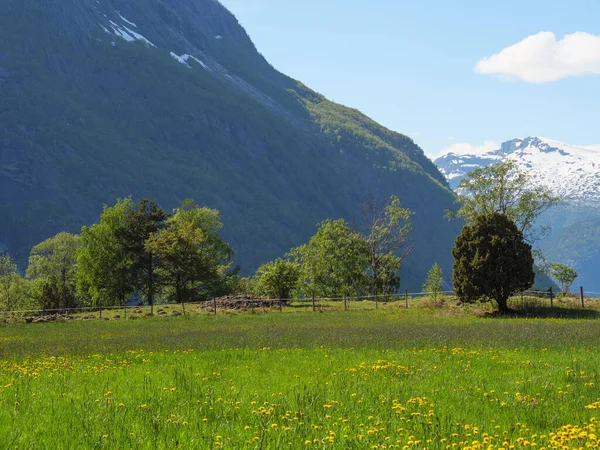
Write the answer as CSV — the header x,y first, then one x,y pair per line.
x,y
102,99
573,173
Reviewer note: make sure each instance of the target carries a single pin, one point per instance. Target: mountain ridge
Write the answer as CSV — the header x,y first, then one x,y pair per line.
x,y
570,171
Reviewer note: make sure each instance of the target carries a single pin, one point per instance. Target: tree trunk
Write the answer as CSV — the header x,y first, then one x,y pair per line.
x,y
503,305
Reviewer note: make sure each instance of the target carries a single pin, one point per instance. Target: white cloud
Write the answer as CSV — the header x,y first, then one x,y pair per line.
x,y
463,148
541,58
451,138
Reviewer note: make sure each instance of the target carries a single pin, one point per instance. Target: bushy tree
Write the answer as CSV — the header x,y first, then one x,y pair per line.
x,y
564,274
491,260
104,275
13,288
334,262
52,270
277,279
194,259
433,285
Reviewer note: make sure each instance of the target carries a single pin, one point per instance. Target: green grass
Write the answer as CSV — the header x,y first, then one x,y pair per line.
x,y
391,378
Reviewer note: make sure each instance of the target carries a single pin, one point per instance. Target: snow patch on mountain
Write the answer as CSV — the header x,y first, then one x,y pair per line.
x,y
128,34
126,20
571,171
183,59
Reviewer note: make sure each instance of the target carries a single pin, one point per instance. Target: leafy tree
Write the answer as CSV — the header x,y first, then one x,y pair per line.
x,y
434,283
492,261
277,279
103,265
141,222
13,289
506,189
387,242
52,267
209,221
334,262
8,271
564,274
187,267
214,274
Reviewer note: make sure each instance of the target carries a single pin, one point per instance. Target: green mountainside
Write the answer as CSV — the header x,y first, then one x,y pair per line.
x,y
171,100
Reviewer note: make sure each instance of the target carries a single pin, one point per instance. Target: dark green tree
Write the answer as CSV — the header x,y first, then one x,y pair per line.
x,y
143,221
492,261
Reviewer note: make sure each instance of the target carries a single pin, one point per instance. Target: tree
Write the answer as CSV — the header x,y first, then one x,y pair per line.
x,y
387,240
188,269
433,285
277,279
8,280
198,230
52,267
103,265
564,274
506,189
141,222
334,261
492,261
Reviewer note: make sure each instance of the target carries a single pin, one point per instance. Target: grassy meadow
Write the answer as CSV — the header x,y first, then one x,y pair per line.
x,y
378,379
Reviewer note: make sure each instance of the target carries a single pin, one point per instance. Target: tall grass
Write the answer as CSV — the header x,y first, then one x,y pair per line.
x,y
358,379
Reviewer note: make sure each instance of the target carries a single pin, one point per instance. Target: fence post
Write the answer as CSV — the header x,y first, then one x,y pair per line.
x,y
376,301
551,298
101,312
313,301
125,311
183,307
406,298
581,291
280,305
345,304
215,304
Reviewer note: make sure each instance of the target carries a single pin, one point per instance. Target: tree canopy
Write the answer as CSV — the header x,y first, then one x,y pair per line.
x,y
333,262
277,279
52,268
492,261
433,285
506,189
564,274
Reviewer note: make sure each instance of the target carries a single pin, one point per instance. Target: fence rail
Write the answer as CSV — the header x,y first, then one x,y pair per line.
x,y
213,305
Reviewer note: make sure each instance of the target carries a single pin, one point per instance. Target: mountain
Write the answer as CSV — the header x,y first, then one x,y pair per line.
x,y
101,99
573,173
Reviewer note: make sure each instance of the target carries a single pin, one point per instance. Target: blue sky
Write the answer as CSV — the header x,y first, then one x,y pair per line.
x,y
411,65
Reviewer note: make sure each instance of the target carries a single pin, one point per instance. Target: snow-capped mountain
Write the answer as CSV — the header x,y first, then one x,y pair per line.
x,y
572,172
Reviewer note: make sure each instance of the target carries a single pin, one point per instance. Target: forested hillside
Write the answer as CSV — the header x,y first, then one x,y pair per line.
x,y
169,100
